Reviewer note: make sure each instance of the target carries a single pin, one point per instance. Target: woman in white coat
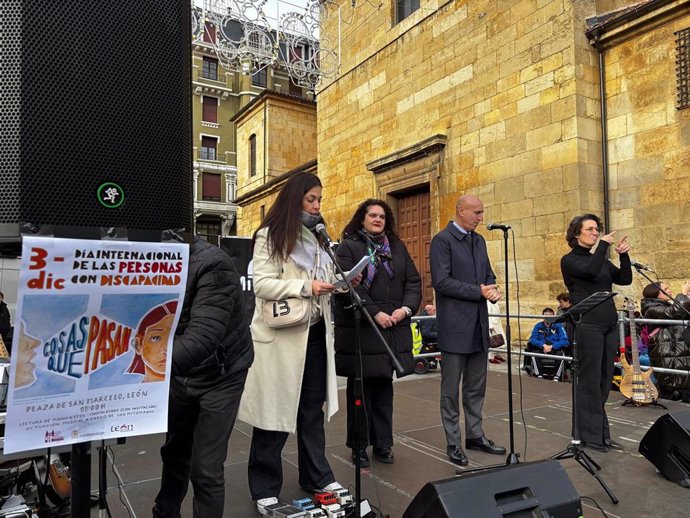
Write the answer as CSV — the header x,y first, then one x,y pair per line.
x,y
294,367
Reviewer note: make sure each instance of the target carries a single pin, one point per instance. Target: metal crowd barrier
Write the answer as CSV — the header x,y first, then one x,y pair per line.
x,y
622,320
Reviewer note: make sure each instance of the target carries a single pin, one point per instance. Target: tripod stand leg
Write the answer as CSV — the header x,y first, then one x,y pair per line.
x,y
587,463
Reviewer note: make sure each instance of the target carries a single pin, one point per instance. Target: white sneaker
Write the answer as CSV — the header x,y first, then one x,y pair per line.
x,y
332,487
262,503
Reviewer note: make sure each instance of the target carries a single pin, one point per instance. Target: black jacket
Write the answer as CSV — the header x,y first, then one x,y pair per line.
x,y
385,294
4,319
667,347
212,340
585,274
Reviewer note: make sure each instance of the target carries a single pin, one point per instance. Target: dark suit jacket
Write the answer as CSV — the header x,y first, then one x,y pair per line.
x,y
456,279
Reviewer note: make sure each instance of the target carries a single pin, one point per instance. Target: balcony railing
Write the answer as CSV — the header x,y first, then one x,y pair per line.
x,y
206,153
219,78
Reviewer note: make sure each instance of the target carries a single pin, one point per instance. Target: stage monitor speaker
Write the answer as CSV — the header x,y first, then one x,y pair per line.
x,y
96,116
532,489
667,445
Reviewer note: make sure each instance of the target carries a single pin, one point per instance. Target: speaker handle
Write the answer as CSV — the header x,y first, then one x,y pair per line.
x,y
529,504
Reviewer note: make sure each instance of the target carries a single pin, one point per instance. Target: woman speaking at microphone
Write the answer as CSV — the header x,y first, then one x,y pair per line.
x,y
294,368
586,270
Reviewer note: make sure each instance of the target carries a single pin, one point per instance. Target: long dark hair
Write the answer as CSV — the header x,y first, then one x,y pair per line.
x,y
356,223
575,228
284,218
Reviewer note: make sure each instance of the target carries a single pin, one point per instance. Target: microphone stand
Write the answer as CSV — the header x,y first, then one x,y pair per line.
x,y
512,456
357,304
574,449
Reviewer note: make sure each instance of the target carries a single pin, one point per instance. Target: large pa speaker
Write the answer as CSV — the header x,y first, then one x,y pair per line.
x,y
533,489
667,445
95,115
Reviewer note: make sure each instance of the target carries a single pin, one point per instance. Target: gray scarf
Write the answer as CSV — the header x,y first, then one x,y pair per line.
x,y
304,255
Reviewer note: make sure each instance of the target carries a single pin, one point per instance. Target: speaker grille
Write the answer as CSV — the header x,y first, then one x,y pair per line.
x,y
96,92
10,86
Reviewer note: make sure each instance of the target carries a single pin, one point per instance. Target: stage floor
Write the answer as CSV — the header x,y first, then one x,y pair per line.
x,y
420,453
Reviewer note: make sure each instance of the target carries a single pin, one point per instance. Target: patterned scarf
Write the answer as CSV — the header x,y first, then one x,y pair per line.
x,y
380,250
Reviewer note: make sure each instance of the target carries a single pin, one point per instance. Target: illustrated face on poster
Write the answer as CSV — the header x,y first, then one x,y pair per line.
x,y
27,350
150,342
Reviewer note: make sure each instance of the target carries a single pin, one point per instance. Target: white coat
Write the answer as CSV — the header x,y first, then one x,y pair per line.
x,y
271,394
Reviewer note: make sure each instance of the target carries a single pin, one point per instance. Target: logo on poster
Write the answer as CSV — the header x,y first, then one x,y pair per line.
x,y
122,428
53,436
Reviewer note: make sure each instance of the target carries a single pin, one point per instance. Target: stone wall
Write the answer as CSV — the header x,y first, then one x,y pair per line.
x,y
513,86
648,152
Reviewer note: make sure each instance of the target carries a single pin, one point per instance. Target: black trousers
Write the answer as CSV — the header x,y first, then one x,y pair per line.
x,y
199,425
596,348
376,420
265,460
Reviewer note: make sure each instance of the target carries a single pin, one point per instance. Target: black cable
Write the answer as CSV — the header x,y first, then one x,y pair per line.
x,y
520,360
596,504
119,482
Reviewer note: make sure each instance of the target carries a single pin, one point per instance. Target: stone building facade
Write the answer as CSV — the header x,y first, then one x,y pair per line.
x,y
219,94
503,100
276,134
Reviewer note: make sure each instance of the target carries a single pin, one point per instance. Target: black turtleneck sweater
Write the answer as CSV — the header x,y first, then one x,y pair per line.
x,y
585,273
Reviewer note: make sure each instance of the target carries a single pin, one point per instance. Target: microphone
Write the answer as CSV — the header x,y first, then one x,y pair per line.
x,y
641,266
320,229
497,226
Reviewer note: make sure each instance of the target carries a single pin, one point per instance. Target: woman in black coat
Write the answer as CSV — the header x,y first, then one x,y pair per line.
x,y
667,344
391,289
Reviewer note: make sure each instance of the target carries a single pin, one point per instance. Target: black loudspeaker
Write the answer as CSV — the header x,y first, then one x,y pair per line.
x,y
532,489
667,445
95,116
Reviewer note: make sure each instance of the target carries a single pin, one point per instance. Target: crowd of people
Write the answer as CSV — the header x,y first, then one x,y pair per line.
x,y
279,376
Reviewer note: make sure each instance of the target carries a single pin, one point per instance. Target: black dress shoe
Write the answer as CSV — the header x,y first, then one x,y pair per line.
x,y
457,456
384,455
485,445
363,457
613,445
595,446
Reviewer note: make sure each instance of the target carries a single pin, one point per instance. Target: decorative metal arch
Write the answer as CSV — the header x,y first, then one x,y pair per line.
x,y
246,40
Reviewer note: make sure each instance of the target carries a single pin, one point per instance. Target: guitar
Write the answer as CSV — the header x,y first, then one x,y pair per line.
x,y
59,476
636,385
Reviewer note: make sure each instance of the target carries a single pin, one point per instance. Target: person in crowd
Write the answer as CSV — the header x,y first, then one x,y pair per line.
x,y
294,370
564,305
463,281
211,353
547,338
428,326
392,291
668,344
585,273
495,329
151,342
5,325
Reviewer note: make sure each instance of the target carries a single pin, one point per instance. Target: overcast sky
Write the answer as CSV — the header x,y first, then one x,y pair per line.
x,y
273,9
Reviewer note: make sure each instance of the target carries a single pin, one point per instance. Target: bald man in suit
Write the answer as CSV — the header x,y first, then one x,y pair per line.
x,y
463,281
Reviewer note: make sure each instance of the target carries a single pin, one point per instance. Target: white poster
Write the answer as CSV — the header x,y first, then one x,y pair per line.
x,y
92,347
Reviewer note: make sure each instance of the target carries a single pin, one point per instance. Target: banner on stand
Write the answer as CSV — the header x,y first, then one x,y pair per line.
x,y
92,347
